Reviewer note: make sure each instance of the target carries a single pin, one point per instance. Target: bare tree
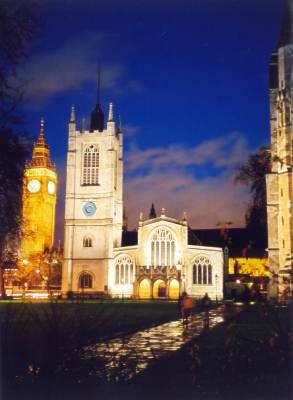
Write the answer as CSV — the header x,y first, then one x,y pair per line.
x,y
18,26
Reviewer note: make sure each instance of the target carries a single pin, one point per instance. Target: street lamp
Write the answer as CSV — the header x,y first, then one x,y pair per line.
x,y
216,277
179,270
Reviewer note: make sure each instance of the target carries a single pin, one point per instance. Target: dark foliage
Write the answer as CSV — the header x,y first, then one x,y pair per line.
x,y
18,26
253,174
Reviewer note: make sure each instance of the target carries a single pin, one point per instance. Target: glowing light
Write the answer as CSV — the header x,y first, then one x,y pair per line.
x,y
238,281
37,295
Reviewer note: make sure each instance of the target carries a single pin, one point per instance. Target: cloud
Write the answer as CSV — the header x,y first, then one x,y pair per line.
x,y
71,66
168,178
130,130
226,151
206,202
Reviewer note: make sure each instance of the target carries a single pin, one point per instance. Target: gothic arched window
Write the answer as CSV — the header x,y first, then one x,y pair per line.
x,y
162,246
202,271
124,270
87,241
194,270
90,174
85,281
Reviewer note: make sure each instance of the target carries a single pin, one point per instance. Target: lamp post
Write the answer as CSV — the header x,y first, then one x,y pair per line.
x,y
179,269
216,277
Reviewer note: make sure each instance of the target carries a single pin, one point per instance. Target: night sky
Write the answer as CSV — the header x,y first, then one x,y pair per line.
x,y
190,80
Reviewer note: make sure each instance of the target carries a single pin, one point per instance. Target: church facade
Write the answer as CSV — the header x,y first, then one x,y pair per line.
x,y
161,263
280,179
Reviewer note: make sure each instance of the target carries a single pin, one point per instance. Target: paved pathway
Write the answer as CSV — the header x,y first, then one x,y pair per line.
x,y
124,358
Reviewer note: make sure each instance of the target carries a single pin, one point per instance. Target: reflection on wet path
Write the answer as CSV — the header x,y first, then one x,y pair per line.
x,y
124,358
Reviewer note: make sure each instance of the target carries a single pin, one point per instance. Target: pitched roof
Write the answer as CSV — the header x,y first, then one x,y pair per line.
x,y
237,239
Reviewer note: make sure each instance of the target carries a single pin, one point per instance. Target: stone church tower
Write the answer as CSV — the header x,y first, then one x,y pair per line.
x,y
39,200
280,179
93,203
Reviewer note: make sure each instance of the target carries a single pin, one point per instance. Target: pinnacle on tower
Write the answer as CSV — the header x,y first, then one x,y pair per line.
x,y
41,152
41,142
111,115
83,124
72,114
119,128
152,213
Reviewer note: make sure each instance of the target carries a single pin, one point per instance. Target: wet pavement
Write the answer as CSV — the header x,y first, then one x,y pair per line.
x,y
123,358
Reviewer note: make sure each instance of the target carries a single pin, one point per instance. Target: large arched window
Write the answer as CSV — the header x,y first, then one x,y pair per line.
x,y
124,270
162,245
87,241
85,281
90,175
202,271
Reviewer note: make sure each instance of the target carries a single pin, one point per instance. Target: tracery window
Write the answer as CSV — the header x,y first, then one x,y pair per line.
x,y
90,174
85,281
162,248
87,241
124,270
202,271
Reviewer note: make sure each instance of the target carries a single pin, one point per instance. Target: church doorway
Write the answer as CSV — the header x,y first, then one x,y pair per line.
x,y
174,289
159,289
144,289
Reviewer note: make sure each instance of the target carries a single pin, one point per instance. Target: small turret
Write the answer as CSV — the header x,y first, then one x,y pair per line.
x,y
111,115
72,124
72,114
111,123
119,125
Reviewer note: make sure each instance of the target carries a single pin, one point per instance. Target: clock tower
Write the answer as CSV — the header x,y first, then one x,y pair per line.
x,y
39,200
93,203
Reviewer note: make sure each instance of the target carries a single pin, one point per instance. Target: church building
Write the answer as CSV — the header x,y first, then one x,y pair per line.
x,y
161,261
280,179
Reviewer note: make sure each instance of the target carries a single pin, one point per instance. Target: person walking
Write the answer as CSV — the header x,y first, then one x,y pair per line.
x,y
186,307
206,304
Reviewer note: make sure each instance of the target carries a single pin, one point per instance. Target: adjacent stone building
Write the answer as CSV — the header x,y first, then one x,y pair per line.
x,y
280,179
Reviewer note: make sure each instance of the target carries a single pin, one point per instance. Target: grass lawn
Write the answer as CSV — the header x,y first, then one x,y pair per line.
x,y
39,338
248,358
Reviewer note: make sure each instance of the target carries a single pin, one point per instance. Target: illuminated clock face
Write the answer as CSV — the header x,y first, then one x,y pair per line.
x,y
51,187
34,186
89,209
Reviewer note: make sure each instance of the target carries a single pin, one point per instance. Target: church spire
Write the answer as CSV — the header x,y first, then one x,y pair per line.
x,y
97,115
152,213
41,142
41,152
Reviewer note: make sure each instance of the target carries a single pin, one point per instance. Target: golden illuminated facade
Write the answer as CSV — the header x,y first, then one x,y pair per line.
x,y
280,179
39,200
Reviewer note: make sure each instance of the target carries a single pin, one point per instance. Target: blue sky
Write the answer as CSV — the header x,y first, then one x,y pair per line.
x,y
190,80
